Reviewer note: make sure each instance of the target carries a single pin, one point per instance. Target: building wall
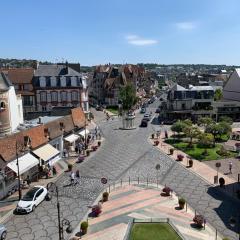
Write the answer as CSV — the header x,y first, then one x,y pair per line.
x,y
15,108
5,125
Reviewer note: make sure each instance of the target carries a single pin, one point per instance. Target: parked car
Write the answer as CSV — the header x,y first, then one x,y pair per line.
x,y
31,199
3,232
144,123
143,110
157,110
147,116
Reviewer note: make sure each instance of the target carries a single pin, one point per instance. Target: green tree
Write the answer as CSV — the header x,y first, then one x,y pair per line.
x,y
127,95
191,132
218,95
204,121
187,122
206,139
178,127
226,119
224,128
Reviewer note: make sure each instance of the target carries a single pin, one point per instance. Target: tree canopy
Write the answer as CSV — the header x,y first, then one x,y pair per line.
x,y
218,95
127,95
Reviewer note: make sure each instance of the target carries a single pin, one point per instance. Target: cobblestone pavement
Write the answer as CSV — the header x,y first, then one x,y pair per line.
x,y
122,154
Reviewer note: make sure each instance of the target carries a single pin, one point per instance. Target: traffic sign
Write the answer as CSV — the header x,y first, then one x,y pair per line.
x,y
103,180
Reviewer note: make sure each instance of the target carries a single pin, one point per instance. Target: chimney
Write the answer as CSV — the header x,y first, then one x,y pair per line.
x,y
66,67
35,64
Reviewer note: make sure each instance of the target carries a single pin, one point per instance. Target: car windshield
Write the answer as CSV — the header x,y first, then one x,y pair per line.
x,y
30,194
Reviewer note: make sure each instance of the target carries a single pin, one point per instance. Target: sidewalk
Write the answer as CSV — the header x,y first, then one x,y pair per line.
x,y
138,202
200,168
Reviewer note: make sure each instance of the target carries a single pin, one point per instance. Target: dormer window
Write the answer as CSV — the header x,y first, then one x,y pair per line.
x,y
2,106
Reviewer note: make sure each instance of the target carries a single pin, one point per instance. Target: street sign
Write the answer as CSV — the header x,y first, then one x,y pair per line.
x,y
158,167
103,180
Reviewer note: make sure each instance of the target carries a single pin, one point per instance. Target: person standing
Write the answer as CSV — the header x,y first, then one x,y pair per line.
x,y
230,167
72,176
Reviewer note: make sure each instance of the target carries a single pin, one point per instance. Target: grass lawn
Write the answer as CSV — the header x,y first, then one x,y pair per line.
x,y
153,231
198,152
113,110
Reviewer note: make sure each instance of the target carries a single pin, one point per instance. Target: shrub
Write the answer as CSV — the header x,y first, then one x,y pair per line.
x,y
222,151
221,182
105,196
181,202
84,227
190,163
171,151
88,152
96,210
156,143
99,143
70,166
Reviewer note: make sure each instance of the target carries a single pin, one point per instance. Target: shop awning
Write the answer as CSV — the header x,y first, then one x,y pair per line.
x,y
71,138
82,132
26,162
46,152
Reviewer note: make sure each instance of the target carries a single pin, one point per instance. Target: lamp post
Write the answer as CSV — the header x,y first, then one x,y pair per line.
x,y
21,147
52,187
85,138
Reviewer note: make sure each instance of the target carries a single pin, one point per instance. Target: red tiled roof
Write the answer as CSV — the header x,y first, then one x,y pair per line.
x,y
8,144
20,75
78,117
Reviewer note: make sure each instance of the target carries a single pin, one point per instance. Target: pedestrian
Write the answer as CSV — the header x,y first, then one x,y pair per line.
x,y
166,134
54,170
230,167
28,181
72,176
77,177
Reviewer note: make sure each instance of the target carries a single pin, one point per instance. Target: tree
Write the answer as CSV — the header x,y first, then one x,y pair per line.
x,y
187,122
204,121
218,95
206,139
226,119
128,96
191,132
224,128
178,127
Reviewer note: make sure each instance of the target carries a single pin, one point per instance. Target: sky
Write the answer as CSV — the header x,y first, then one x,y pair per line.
x,y
95,32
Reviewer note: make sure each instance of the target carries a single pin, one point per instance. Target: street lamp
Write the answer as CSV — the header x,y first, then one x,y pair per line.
x,y
21,147
157,168
52,187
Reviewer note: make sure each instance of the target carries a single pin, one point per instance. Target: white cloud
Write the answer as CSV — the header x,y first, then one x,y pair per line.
x,y
186,25
139,41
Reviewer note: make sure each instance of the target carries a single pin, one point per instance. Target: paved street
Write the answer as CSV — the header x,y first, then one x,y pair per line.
x,y
122,154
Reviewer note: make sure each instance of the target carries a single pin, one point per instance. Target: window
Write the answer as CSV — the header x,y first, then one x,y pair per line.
x,y
63,96
43,97
68,80
74,96
53,81
16,87
27,100
27,87
183,106
44,108
2,106
54,96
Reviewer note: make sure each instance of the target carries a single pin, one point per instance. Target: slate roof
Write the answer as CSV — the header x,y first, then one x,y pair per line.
x,y
4,82
55,70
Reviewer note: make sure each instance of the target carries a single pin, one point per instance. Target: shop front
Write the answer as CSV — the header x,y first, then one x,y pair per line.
x,y
70,141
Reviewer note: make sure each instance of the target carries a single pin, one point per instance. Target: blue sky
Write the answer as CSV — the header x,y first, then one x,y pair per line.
x,y
122,31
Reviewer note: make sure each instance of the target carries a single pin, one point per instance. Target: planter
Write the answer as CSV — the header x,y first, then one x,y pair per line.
x,y
153,136
99,143
70,166
94,148
88,152
171,151
80,159
199,220
84,227
190,163
221,182
180,157
181,203
105,196
96,210
167,191
156,143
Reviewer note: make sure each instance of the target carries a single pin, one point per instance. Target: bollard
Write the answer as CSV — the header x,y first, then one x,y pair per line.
x,y
195,213
186,206
114,185
147,181
138,180
109,188
129,180
121,182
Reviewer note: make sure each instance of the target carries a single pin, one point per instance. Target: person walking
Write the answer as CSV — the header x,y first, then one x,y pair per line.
x,y
72,176
77,177
230,167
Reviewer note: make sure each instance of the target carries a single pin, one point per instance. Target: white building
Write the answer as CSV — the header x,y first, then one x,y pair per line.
x,y
11,110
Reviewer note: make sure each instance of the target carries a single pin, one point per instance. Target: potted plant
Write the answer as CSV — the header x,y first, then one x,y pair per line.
x,y
70,166
156,142
190,162
171,151
80,158
221,182
199,220
180,157
99,143
152,135
88,152
105,196
94,148
96,210
167,191
84,227
181,202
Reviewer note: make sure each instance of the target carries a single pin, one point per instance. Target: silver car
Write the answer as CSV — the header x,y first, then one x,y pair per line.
x,y
3,232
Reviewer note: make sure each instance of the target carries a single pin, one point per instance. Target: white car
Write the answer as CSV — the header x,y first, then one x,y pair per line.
x,y
147,116
31,199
